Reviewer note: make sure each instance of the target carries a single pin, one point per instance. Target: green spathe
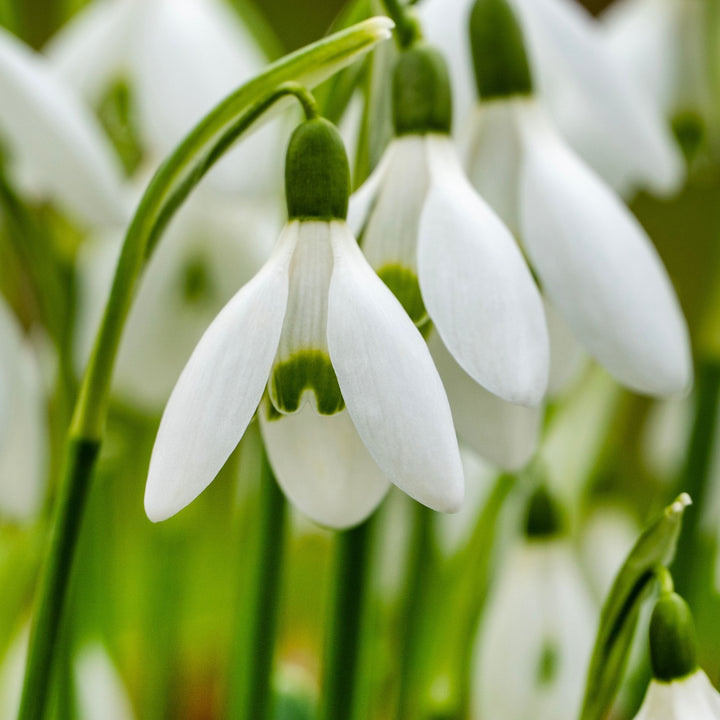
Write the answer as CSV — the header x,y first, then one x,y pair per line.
x,y
673,650
422,99
307,370
404,285
498,50
317,174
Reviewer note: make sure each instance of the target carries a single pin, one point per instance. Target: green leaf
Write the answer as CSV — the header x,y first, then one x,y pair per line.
x,y
655,548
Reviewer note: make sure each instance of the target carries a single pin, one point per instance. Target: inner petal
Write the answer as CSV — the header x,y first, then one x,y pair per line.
x,y
302,371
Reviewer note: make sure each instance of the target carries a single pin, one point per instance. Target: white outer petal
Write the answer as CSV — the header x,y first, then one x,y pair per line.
x,y
477,287
323,467
600,269
604,115
363,199
219,389
390,385
99,688
692,697
567,357
504,434
56,142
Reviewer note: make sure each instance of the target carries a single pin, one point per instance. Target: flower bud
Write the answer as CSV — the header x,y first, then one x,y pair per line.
x,y
422,100
498,50
672,639
317,174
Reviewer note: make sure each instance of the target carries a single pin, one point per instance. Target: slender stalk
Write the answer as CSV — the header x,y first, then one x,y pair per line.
x,y
419,570
406,26
251,698
696,473
44,637
344,634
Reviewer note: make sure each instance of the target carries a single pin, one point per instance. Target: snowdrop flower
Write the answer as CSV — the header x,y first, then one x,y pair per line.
x,y
354,400
661,43
537,635
595,262
448,258
680,690
178,58
23,431
213,245
596,103
56,148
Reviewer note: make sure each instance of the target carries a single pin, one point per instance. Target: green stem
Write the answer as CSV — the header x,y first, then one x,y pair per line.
x,y
46,629
419,571
695,478
344,634
407,28
251,697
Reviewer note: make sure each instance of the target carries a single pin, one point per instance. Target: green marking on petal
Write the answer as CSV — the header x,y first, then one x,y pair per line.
x,y
306,370
116,111
196,280
548,664
406,288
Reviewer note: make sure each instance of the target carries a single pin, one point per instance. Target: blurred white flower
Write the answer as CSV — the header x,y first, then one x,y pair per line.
x,y
596,264
319,328
23,423
213,245
179,58
662,44
55,147
689,698
536,638
596,103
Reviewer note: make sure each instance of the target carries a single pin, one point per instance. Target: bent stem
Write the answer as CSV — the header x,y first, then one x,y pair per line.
x,y
344,634
252,677
172,183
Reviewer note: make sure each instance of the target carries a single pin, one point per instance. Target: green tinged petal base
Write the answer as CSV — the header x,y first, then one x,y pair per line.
x,y
405,287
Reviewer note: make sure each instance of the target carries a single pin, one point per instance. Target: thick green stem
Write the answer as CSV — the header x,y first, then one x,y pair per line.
x,y
56,577
695,478
419,569
344,634
252,693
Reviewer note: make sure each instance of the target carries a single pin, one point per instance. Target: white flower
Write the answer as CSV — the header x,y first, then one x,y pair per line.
x,y
661,43
179,58
689,698
320,326
55,146
537,634
595,262
597,105
23,431
215,244
438,245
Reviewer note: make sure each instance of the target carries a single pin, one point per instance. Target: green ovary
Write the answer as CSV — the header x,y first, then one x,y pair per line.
x,y
306,370
406,288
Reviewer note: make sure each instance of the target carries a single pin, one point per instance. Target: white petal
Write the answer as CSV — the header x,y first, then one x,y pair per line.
x,y
23,431
219,389
363,199
504,434
492,149
392,390
323,467
56,142
605,116
92,50
478,289
567,357
600,269
99,687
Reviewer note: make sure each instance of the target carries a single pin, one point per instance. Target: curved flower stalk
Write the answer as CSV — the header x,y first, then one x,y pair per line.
x,y
598,107
661,44
213,246
453,265
679,690
595,262
350,382
178,58
23,430
532,653
55,147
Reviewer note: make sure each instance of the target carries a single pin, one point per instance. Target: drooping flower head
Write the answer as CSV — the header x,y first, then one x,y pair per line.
x,y
353,399
593,259
446,255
